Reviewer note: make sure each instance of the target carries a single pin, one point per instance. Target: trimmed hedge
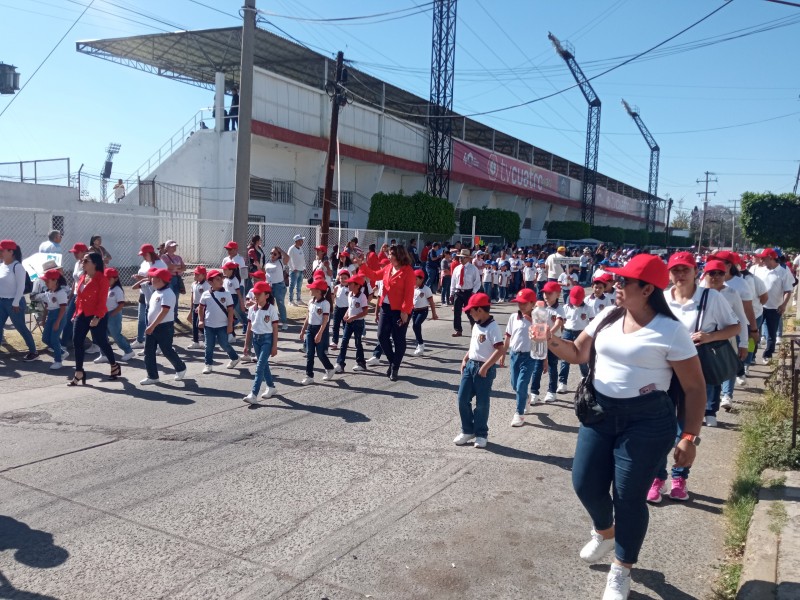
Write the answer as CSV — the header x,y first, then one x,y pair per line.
x,y
576,230
771,219
492,222
568,230
420,212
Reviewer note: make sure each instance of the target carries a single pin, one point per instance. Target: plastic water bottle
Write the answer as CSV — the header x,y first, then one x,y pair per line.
x,y
539,331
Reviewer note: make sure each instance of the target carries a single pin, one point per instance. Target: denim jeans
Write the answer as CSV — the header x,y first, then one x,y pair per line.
x,y
141,325
162,337
377,351
195,327
17,320
66,333
676,471
621,453
751,357
487,289
354,329
521,373
279,291
446,288
262,344
240,313
392,335
115,331
338,315
432,279
475,421
563,371
417,319
82,328
175,286
295,283
214,336
319,350
771,318
51,336
503,293
712,399
552,372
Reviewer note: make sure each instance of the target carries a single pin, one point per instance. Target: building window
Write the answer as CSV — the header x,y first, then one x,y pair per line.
x,y
272,190
283,191
526,224
346,197
57,222
315,222
256,219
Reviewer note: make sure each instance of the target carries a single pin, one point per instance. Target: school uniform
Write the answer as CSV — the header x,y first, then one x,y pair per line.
x,y
553,314
598,303
261,322
529,276
340,302
420,313
486,338
504,281
316,314
116,295
145,290
233,286
356,303
51,335
215,323
163,333
488,281
198,289
576,318
519,347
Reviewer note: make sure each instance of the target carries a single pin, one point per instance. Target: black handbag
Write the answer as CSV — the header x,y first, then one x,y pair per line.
x,y
587,408
719,360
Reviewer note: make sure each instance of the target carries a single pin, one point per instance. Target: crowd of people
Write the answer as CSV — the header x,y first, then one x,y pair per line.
x,y
648,333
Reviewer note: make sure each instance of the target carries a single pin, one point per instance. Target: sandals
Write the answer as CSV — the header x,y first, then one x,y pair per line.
x,y
116,371
79,377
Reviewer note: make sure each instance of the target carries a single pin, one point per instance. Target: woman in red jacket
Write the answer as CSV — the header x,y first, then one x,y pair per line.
x,y
396,304
91,315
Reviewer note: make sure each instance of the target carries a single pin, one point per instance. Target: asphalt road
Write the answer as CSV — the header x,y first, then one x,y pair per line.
x,y
340,490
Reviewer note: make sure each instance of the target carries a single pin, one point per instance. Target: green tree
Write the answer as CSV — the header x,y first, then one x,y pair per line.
x,y
419,212
771,219
492,221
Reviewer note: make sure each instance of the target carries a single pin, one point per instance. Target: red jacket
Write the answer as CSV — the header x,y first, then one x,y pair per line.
x,y
373,262
399,287
91,301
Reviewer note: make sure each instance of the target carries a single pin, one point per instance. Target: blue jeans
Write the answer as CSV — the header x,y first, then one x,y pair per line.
x,y
622,453
751,357
141,325
418,317
51,336
175,286
552,372
475,421
295,283
115,332
319,350
262,344
279,291
446,288
338,314
162,337
66,333
771,319
432,281
353,329
487,289
195,327
712,399
17,320
503,293
563,371
241,315
214,336
521,373
676,471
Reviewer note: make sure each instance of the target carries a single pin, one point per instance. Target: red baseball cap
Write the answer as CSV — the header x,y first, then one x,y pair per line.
x,y
551,286
714,265
768,253
142,251
262,287
320,274
231,245
111,272
318,284
214,273
682,258
162,274
525,295
230,265
358,279
200,270
53,274
420,273
477,301
343,272
577,295
321,248
260,275
81,247
727,256
10,245
647,268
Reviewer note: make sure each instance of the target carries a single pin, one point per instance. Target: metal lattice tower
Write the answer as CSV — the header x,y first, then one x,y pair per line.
x,y
589,192
652,188
440,126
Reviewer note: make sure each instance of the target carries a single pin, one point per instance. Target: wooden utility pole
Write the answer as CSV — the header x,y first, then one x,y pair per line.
x,y
705,208
335,90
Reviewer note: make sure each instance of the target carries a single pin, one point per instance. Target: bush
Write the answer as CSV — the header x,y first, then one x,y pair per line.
x,y
420,212
568,230
771,219
492,222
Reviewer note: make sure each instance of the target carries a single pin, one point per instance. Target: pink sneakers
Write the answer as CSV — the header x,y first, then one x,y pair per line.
x,y
654,495
678,491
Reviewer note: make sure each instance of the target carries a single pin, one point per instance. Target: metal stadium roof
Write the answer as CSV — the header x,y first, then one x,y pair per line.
x,y
194,57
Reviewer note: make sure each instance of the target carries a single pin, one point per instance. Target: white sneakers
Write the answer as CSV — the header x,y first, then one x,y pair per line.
x,y
307,380
358,368
100,360
284,327
250,399
231,338
127,356
597,548
338,369
549,397
268,393
148,381
480,442
55,366
533,399
207,369
194,346
710,421
232,364
137,345
518,420
374,360
726,402
328,375
618,583
464,438
562,388
741,381
179,375
93,349
420,349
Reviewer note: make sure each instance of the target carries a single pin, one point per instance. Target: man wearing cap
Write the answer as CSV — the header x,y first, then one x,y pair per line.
x,y
53,243
554,269
779,283
465,281
297,265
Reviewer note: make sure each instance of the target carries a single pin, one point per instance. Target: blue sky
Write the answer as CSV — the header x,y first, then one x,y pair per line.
x,y
77,104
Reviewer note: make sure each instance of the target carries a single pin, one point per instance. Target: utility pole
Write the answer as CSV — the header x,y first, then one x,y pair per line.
x,y
336,91
796,181
666,225
733,224
705,206
241,199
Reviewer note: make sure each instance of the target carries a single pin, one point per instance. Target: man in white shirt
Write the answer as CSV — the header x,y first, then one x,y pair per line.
x,y
466,280
53,243
297,266
779,283
554,269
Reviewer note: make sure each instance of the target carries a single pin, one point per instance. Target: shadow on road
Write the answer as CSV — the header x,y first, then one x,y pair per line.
x,y
548,423
347,415
34,548
654,581
562,462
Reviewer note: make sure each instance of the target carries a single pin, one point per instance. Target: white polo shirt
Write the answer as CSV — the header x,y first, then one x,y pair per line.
x,y
214,316
577,318
158,300
340,296
317,310
778,281
261,319
297,259
485,338
55,300
239,260
115,295
198,289
356,305
517,332
421,296
505,277
231,285
598,304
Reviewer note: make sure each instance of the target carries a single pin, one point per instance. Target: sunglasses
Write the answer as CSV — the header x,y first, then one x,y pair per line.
x,y
623,281
715,273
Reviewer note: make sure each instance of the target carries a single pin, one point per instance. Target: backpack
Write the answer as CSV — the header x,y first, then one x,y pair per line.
x,y
28,283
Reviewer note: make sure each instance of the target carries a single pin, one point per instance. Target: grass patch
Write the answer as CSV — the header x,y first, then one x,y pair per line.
x,y
777,517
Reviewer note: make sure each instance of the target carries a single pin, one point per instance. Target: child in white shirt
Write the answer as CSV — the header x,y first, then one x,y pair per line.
x,y
577,315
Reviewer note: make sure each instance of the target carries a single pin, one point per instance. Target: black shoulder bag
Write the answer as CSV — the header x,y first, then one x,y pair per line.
x,y
587,409
718,359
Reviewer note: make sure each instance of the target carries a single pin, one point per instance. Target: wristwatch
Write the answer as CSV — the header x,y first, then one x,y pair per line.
x,y
694,439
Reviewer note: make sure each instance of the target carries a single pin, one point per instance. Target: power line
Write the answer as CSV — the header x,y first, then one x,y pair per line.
x,y
411,11
215,9
49,54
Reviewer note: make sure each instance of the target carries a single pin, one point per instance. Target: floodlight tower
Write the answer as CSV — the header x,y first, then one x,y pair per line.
x,y
567,52
655,152
106,173
440,125
9,79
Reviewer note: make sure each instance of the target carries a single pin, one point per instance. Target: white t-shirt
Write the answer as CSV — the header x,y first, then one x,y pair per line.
x,y
198,288
239,261
517,330
356,305
598,304
553,269
577,317
145,286
340,294
231,285
77,271
297,259
488,276
273,271
758,288
718,313
553,314
505,277
529,274
567,281
215,316
261,319
115,295
158,300
626,363
485,338
777,281
421,296
740,286
735,303
317,310
55,300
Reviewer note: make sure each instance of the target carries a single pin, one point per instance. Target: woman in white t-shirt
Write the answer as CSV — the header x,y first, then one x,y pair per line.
x,y
638,344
